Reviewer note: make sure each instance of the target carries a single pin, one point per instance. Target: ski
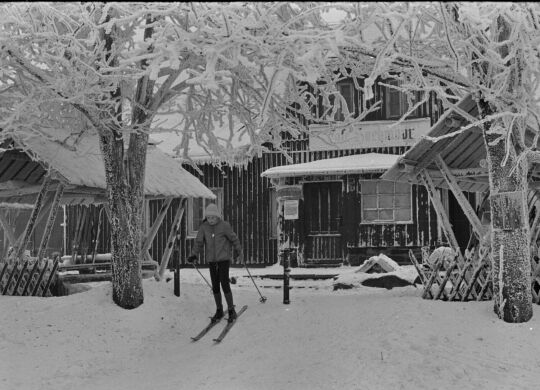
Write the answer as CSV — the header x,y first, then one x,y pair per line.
x,y
205,330
229,326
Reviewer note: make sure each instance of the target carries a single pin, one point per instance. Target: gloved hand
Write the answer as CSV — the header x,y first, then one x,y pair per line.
x,y
191,259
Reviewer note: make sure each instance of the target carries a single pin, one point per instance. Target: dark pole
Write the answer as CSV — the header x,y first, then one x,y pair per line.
x,y
177,275
286,272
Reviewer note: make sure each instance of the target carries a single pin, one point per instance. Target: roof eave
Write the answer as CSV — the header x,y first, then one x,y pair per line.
x,y
271,175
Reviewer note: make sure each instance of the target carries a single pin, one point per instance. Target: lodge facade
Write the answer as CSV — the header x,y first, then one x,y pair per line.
x,y
326,217
322,217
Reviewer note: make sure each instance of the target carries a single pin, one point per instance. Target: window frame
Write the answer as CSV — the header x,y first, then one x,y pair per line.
x,y
443,196
339,116
403,103
393,221
192,230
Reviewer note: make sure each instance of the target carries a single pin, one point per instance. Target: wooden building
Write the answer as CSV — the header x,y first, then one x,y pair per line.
x,y
344,217
41,171
325,217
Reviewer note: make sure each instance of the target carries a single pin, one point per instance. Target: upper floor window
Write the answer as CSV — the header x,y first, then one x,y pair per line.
x,y
346,89
385,201
396,102
332,110
196,208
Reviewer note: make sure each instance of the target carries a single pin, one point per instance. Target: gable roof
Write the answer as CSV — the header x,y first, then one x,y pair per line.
x,y
78,162
358,163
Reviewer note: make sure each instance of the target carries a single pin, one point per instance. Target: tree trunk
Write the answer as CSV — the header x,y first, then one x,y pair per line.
x,y
510,230
125,196
508,199
124,173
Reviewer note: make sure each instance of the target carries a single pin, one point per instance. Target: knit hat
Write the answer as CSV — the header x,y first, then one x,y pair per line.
x,y
212,209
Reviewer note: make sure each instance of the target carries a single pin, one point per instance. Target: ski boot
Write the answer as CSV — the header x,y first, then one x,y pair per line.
x,y
218,316
232,315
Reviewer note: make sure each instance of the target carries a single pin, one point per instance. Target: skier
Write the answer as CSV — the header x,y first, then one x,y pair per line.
x,y
218,240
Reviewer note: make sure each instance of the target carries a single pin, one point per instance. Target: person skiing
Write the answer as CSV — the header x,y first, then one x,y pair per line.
x,y
220,242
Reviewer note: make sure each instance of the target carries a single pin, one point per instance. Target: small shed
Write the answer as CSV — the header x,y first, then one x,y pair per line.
x,y
338,210
53,167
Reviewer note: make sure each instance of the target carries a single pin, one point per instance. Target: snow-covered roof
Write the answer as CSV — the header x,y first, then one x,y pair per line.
x,y
78,160
358,163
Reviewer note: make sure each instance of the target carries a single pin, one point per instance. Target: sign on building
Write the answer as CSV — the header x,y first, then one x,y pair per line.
x,y
290,209
368,134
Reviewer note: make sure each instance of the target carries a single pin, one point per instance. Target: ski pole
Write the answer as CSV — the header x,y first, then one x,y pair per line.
x,y
202,276
263,299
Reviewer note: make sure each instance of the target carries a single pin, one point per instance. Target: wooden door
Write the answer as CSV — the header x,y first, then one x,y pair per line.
x,y
323,216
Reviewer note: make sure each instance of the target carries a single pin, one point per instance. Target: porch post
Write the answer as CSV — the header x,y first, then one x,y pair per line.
x,y
155,227
175,232
50,221
8,231
30,226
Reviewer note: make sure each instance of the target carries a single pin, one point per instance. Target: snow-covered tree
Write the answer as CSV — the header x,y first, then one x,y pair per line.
x,y
490,50
115,69
121,70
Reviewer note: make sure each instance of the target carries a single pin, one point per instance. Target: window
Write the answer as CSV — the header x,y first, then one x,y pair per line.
x,y
385,201
196,208
346,89
396,102
443,193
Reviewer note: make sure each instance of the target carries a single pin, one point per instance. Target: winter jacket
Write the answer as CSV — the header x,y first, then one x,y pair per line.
x,y
218,240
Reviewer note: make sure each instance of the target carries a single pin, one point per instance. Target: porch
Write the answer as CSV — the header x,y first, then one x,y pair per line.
x,y
331,210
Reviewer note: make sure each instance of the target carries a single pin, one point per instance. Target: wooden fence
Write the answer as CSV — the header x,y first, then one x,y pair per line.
x,y
456,279
31,277
464,281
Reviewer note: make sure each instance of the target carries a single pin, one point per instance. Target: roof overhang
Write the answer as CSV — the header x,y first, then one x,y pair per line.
x,y
462,150
79,165
355,164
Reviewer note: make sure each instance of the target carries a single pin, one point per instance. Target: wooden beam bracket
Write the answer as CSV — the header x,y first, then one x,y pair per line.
x,y
460,197
172,238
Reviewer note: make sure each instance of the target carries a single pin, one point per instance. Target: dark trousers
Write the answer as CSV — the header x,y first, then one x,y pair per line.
x,y
219,274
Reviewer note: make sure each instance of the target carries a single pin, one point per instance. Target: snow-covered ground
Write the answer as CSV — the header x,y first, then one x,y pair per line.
x,y
359,338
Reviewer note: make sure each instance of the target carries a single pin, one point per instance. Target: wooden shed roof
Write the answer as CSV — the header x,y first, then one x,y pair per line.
x,y
463,152
77,161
